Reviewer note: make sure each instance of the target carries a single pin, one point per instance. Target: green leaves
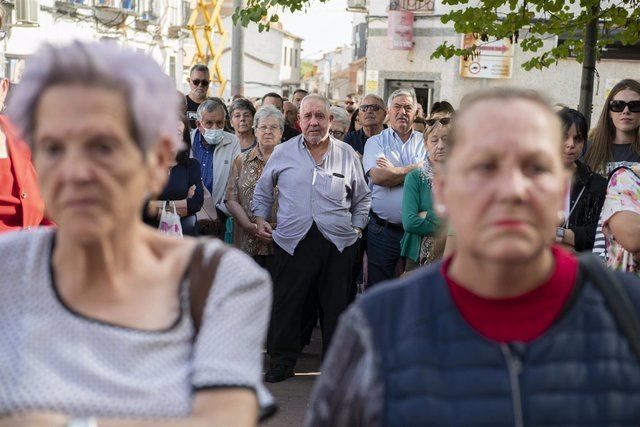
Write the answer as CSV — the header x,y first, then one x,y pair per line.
x,y
265,12
525,22
541,20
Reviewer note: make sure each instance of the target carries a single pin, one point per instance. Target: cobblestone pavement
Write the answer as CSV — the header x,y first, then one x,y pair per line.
x,y
293,394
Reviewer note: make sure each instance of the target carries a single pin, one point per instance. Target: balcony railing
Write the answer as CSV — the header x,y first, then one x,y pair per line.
x,y
413,5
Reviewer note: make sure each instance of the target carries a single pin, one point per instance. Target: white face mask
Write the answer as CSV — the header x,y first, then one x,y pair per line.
x,y
213,136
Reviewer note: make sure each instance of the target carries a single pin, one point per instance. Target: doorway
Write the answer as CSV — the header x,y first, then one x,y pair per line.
x,y
423,91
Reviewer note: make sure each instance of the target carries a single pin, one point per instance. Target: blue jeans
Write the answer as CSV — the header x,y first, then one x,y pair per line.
x,y
383,252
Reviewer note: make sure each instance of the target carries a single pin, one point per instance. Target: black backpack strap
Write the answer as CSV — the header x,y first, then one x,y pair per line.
x,y
616,298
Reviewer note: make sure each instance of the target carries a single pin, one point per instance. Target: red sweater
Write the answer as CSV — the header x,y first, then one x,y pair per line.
x,y
523,318
21,205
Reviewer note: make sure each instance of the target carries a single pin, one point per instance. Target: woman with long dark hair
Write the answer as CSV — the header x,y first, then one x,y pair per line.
x,y
587,187
616,138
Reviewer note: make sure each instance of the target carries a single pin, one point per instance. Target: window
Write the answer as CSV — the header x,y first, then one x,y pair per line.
x,y
290,56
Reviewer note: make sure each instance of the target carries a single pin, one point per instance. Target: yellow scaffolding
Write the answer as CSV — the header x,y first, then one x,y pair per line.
x,y
209,10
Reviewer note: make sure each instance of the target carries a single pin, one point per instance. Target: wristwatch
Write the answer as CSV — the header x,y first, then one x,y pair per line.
x,y
559,234
82,422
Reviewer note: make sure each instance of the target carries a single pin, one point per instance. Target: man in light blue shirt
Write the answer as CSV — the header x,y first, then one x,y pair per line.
x,y
388,158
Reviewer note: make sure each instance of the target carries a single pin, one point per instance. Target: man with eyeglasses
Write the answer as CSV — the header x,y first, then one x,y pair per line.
x,y
340,123
198,88
372,114
388,158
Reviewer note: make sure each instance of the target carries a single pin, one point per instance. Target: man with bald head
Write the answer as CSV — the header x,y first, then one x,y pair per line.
x,y
323,205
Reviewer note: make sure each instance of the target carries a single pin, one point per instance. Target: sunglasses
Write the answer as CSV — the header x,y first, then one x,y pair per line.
x,y
619,106
371,107
443,121
198,82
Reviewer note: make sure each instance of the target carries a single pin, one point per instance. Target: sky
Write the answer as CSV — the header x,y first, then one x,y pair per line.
x,y
323,26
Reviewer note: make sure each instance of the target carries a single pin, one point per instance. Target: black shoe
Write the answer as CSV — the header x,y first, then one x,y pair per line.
x,y
278,373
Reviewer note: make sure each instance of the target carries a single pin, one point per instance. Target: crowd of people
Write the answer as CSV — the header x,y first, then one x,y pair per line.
x,y
437,248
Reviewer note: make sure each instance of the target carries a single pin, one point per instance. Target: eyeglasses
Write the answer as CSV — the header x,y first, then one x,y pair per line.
x,y
443,121
370,107
349,102
619,106
336,133
198,82
271,129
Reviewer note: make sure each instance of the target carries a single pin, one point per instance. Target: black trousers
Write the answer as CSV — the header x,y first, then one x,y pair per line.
x,y
315,267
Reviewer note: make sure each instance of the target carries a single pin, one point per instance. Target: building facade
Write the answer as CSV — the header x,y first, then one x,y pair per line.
x,y
155,27
398,56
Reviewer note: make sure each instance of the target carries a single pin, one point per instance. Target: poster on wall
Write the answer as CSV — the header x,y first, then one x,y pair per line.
x,y
493,61
400,30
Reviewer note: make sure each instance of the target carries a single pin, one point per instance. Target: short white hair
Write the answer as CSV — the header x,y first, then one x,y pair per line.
x,y
315,97
401,92
266,112
101,65
340,115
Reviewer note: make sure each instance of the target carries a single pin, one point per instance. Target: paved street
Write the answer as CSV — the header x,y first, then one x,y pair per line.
x,y
293,394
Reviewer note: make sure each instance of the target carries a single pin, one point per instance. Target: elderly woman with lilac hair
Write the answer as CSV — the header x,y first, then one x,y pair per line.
x,y
104,320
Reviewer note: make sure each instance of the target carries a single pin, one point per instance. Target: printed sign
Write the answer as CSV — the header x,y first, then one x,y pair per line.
x,y
372,81
400,30
494,59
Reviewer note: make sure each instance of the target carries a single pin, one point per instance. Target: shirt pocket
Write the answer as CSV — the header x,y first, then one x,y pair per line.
x,y
336,188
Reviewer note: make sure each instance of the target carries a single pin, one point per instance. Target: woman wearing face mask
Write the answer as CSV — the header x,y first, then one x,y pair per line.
x,y
616,138
511,330
584,202
420,244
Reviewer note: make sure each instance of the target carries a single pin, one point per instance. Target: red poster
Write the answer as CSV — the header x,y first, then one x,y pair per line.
x,y
400,30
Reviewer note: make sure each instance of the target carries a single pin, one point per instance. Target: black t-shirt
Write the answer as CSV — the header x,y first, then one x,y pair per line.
x,y
624,153
192,108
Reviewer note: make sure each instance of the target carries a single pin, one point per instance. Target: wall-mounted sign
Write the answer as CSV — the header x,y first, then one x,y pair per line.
x,y
372,81
400,30
494,59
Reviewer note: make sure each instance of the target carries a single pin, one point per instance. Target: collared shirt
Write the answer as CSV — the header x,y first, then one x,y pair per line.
x,y
333,194
386,202
357,139
204,154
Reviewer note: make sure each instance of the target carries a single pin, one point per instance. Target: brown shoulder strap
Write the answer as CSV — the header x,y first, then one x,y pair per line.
x,y
203,273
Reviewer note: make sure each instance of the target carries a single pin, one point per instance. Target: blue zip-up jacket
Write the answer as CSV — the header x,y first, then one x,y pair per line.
x,y
407,357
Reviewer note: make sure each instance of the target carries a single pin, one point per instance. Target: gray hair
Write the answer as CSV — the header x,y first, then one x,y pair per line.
x,y
340,115
401,92
101,65
199,67
266,112
378,99
315,97
209,106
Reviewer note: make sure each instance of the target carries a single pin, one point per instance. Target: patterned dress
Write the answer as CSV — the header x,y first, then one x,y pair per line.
x,y
245,172
623,194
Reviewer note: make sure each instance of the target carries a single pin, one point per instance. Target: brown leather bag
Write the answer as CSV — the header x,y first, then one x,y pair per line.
x,y
202,274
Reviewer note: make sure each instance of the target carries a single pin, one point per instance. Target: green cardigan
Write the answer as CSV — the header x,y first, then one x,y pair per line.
x,y
416,198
